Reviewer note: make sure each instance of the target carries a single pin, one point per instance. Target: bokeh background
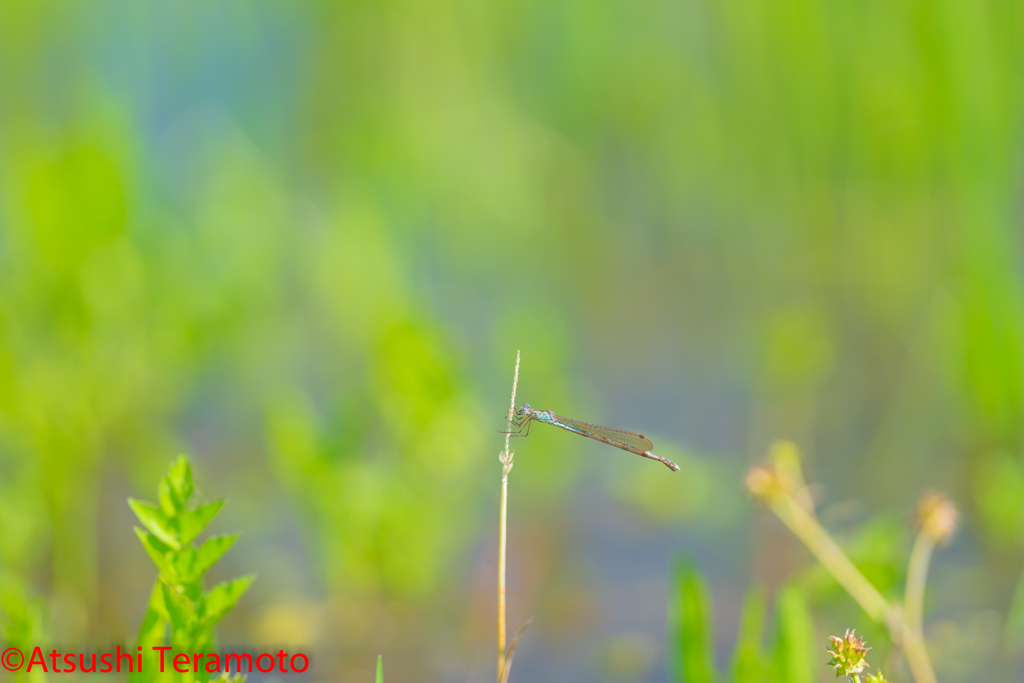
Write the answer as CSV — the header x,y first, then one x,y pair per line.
x,y
303,241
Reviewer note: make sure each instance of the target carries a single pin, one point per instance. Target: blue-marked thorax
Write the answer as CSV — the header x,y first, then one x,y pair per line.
x,y
543,416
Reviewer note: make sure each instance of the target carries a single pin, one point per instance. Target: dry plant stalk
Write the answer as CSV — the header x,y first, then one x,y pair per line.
x,y
779,484
505,457
936,523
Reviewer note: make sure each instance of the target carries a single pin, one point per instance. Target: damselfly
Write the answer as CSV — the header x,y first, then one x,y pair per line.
x,y
620,438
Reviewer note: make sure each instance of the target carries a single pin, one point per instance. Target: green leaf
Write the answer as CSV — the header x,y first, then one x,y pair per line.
x,y
190,563
159,552
192,522
212,550
187,577
202,645
176,487
796,655
154,519
748,658
693,613
151,633
223,597
169,502
180,483
180,611
198,639
380,669
184,563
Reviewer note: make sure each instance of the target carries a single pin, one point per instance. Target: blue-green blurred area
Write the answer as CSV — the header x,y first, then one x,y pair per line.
x,y
303,241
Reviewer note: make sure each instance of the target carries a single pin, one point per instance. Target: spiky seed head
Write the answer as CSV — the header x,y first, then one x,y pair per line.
x,y
847,654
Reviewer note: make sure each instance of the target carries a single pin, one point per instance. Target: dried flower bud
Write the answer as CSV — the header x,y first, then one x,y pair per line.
x,y
937,517
764,483
847,654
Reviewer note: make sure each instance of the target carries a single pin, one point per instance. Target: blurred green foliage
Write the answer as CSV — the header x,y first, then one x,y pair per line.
x,y
22,627
792,658
1014,630
748,655
304,240
694,631
999,490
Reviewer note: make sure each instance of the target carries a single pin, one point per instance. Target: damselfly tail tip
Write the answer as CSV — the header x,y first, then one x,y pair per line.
x,y
671,465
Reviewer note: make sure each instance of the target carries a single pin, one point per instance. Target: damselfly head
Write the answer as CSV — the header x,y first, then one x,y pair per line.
x,y
524,410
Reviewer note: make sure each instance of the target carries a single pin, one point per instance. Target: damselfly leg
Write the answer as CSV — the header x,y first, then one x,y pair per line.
x,y
520,421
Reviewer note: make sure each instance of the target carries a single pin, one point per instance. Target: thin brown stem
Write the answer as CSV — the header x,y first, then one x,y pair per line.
x,y
501,579
506,466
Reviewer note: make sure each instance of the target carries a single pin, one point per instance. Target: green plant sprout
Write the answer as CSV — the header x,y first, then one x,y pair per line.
x,y
178,602
779,484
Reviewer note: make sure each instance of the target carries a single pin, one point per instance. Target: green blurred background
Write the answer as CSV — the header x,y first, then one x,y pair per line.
x,y
303,241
